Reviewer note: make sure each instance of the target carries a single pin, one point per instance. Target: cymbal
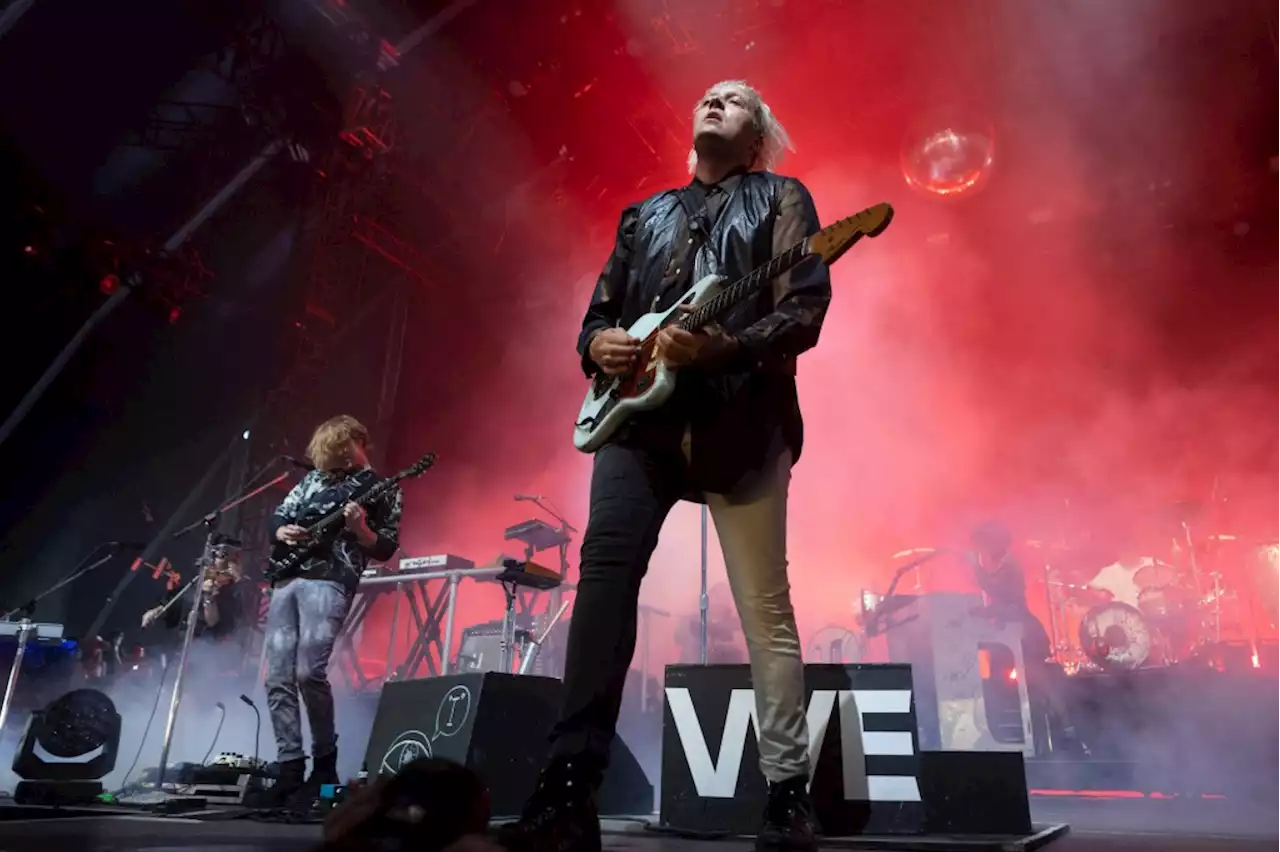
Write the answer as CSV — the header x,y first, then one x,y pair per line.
x,y
1060,546
1156,574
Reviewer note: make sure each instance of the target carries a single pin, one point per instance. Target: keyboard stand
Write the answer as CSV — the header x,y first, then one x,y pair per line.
x,y
24,630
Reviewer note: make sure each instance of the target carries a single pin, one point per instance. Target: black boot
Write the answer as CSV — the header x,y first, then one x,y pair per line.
x,y
324,770
561,815
289,775
789,823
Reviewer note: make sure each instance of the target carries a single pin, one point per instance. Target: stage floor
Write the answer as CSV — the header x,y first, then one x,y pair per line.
x,y
93,833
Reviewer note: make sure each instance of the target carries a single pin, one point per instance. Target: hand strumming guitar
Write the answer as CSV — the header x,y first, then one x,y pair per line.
x,y
679,348
291,534
614,350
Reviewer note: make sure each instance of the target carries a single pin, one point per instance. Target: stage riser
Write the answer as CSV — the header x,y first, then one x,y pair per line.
x,y
869,776
1192,731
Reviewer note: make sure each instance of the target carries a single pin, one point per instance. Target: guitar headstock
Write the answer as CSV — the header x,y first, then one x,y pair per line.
x,y
421,466
835,239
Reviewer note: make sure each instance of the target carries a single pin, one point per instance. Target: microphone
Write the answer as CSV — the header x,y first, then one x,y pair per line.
x,y
528,498
257,734
222,717
297,463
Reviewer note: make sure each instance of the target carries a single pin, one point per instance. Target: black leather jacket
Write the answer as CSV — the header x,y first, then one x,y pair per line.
x,y
743,412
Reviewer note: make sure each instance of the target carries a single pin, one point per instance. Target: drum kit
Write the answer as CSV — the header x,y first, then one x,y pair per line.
x,y
1157,605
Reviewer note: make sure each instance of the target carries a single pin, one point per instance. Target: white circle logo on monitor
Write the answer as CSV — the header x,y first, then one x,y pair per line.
x,y
453,712
405,749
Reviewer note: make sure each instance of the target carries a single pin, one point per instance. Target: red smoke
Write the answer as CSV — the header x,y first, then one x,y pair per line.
x,y
1084,343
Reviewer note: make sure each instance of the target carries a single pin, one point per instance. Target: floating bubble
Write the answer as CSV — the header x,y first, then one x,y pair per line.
x,y
949,159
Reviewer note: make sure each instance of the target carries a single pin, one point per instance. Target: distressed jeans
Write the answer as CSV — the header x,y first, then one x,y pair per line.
x,y
632,491
303,622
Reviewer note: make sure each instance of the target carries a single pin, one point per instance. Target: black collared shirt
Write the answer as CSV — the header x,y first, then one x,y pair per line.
x,y
716,194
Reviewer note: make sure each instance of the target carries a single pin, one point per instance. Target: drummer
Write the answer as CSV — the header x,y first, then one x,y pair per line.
x,y
1004,588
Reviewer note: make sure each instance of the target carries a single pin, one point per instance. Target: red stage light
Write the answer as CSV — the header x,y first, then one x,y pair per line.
x,y
109,284
175,314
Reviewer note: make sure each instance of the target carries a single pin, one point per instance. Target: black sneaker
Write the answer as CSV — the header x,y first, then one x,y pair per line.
x,y
561,814
789,823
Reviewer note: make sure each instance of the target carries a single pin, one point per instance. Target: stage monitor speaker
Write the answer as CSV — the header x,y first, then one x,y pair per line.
x,y
497,725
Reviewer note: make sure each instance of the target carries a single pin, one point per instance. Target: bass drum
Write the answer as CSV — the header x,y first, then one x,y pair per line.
x,y
1115,636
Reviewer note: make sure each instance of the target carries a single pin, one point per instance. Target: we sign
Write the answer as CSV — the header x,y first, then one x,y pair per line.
x,y
718,778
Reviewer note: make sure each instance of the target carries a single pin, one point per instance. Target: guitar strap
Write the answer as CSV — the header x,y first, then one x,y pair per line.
x,y
697,214
698,217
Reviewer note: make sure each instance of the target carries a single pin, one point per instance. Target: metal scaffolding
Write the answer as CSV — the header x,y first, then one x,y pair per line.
x,y
353,282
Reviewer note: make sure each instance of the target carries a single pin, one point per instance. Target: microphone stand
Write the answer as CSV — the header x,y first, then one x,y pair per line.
x,y
76,573
209,522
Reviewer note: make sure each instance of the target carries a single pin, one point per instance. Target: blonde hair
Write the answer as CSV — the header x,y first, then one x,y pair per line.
x,y
330,439
771,132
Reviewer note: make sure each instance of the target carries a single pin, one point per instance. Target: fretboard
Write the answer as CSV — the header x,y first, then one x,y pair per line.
x,y
742,289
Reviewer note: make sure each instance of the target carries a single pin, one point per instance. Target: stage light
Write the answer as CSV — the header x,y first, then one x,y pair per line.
x,y
81,730
244,436
109,284
951,157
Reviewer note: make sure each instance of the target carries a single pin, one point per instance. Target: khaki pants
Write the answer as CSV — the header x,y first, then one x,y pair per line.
x,y
632,491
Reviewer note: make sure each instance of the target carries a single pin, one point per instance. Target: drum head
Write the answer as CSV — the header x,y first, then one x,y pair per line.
x,y
1115,636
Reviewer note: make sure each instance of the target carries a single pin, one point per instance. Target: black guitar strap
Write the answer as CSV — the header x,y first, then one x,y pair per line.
x,y
697,214
698,217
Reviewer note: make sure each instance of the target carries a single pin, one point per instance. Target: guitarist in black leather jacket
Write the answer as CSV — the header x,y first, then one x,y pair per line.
x,y
307,611
728,436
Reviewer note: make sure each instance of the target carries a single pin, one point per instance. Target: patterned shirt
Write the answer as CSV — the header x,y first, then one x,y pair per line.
x,y
320,493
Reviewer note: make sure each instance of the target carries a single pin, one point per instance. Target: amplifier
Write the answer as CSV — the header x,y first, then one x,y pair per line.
x,y
481,647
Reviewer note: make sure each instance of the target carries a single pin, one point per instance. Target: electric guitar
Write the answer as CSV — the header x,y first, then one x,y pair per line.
x,y
286,560
612,400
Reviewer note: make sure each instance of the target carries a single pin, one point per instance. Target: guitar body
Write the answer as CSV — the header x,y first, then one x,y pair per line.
x,y
287,560
612,400
324,522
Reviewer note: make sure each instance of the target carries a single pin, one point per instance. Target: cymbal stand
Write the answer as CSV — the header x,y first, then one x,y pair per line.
x,y
1052,610
1196,577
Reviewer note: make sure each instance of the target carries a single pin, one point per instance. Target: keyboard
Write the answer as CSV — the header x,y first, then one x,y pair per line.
x,y
40,632
436,563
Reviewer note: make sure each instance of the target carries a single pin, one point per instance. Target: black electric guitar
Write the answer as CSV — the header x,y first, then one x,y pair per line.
x,y
287,559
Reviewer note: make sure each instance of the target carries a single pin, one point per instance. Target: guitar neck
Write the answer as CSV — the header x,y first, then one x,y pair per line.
x,y
744,288
363,500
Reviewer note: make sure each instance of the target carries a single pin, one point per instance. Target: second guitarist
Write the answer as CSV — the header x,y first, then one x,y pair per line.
x,y
307,611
